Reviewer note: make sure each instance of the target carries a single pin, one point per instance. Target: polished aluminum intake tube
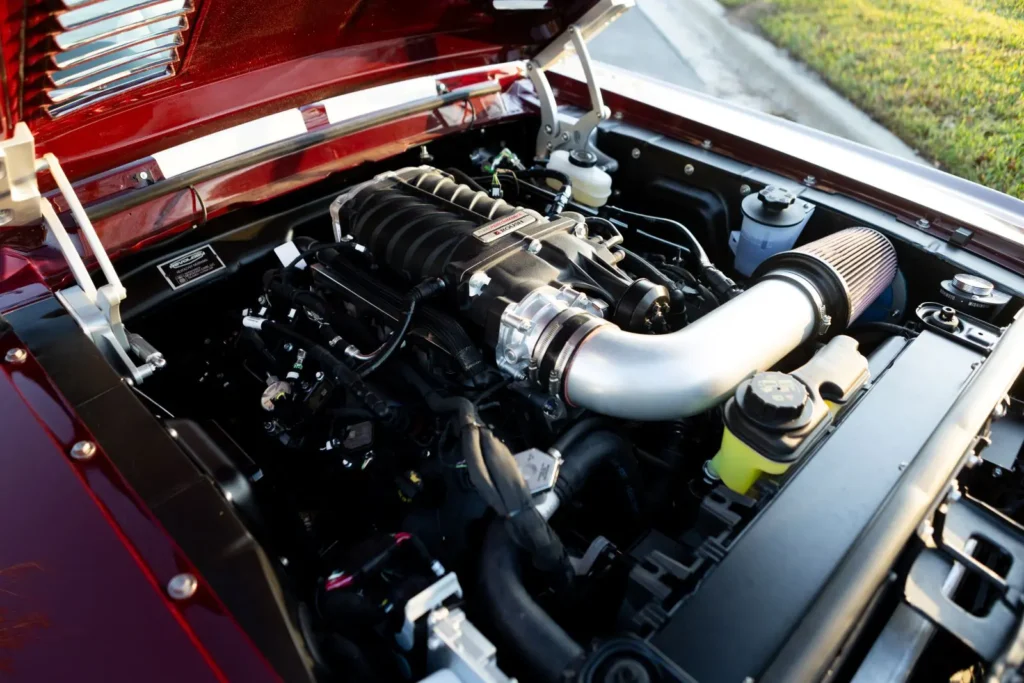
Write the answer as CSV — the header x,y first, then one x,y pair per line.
x,y
663,377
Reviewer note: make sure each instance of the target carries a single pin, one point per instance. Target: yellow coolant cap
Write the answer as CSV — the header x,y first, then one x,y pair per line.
x,y
739,466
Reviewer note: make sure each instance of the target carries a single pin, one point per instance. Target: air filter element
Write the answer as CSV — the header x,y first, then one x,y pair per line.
x,y
849,268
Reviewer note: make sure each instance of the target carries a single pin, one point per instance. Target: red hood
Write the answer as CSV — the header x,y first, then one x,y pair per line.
x,y
208,64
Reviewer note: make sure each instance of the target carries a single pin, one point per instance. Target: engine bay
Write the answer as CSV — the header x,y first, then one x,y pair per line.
x,y
491,422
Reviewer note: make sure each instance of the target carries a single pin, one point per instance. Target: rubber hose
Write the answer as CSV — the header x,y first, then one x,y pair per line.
x,y
587,454
881,327
576,431
697,252
520,622
464,178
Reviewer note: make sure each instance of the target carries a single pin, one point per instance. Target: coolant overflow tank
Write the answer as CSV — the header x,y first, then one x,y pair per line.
x,y
775,417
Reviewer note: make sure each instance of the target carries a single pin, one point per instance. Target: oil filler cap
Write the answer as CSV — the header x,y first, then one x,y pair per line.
x,y
774,398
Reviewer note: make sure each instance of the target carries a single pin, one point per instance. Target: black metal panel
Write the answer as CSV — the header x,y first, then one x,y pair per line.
x,y
747,607
187,503
926,590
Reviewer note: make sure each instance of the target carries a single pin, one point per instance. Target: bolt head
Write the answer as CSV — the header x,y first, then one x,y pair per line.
x,y
923,223
547,129
83,450
16,356
617,116
635,153
706,144
319,375
143,175
810,181
565,136
744,189
534,247
182,586
288,347
688,169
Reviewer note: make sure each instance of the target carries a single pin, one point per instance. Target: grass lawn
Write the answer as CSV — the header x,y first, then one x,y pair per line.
x,y
947,76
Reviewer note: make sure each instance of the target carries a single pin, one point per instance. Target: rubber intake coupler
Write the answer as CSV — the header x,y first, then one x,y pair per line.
x,y
850,269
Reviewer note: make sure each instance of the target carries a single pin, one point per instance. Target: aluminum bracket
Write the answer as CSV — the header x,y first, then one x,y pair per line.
x,y
555,132
96,309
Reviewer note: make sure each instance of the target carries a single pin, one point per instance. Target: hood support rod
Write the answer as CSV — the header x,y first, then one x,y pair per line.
x,y
288,146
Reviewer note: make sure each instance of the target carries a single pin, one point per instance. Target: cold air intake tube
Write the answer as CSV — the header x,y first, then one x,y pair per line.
x,y
817,289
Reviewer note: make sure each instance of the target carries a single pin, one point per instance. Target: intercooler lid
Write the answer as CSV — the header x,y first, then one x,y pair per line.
x,y
104,82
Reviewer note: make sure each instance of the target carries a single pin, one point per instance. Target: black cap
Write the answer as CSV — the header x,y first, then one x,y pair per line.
x,y
584,159
774,398
776,198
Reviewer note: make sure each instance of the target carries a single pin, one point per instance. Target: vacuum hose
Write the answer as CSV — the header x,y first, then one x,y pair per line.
x,y
818,288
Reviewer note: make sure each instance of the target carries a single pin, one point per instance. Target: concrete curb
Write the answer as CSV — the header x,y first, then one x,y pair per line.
x,y
746,69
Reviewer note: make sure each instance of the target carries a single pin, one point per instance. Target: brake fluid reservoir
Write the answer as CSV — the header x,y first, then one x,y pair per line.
x,y
772,221
590,185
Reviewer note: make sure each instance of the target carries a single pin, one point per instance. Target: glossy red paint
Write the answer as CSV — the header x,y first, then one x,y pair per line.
x,y
83,564
249,58
156,220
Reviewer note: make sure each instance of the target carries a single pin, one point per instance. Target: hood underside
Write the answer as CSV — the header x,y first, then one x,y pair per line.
x,y
102,82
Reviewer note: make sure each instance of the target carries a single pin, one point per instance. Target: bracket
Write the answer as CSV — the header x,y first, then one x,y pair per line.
x,y
555,133
936,571
96,309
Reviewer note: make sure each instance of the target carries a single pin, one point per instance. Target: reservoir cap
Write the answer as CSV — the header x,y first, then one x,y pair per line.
x,y
774,398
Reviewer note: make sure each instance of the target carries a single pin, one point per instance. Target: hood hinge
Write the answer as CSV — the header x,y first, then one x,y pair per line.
x,y
96,309
561,134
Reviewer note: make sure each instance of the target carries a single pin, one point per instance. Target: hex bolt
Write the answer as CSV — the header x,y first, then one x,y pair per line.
x,y
617,116
810,181
182,586
83,450
635,153
16,356
319,375
706,144
688,169
923,223
287,347
744,189
534,247
547,129
997,472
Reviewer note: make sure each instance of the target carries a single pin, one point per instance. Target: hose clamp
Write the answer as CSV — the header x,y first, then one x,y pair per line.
x,y
823,319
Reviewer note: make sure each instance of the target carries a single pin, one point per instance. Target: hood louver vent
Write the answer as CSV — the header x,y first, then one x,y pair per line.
x,y
105,47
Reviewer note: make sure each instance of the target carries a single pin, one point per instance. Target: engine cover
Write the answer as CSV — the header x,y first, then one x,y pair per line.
x,y
420,223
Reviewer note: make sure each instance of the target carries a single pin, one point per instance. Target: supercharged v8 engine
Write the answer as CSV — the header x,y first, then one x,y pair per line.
x,y
488,429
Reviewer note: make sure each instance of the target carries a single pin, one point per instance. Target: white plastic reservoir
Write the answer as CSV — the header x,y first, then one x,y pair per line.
x,y
590,185
772,221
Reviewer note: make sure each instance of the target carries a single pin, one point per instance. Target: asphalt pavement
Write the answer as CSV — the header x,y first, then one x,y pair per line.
x,y
697,44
